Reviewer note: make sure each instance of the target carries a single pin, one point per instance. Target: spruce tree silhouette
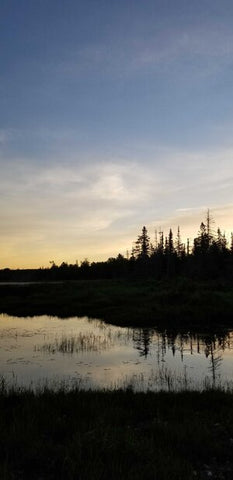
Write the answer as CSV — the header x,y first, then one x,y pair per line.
x,y
142,245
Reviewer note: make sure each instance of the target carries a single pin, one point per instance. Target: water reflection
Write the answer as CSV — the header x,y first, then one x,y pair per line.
x,y
194,343
185,343
142,339
105,356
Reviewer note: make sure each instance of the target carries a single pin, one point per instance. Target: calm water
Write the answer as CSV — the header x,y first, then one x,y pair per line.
x,y
43,349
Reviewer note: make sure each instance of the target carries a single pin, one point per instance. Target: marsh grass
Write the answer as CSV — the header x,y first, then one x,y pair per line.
x,y
85,341
82,342
167,380
76,434
129,303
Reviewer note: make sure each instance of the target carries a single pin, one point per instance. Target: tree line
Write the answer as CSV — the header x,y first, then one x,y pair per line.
x,y
210,256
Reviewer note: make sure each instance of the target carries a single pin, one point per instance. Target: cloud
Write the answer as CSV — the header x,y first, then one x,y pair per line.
x,y
201,49
75,209
71,198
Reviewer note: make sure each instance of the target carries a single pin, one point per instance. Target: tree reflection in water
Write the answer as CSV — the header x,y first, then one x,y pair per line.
x,y
212,345
142,338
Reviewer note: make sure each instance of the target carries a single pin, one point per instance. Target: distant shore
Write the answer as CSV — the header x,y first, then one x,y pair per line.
x,y
180,302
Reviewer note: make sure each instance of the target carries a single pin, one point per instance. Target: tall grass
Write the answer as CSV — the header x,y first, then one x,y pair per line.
x,y
80,434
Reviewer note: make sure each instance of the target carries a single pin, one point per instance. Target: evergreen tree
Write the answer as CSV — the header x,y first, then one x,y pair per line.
x,y
170,242
142,245
209,230
201,242
166,249
221,241
179,245
160,248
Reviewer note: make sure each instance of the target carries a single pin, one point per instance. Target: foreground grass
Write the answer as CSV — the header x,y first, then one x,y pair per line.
x,y
116,435
136,303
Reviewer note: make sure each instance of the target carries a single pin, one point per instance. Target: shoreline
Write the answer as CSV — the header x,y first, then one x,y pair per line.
x,y
180,303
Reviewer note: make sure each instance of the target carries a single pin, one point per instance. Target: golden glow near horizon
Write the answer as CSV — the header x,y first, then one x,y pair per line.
x,y
31,251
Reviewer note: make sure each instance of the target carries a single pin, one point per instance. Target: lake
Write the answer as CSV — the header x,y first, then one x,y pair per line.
x,y
43,350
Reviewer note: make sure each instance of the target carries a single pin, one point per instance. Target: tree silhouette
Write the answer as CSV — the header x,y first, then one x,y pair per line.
x,y
202,241
210,257
170,242
142,245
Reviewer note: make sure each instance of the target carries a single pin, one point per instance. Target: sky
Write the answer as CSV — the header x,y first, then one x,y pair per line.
x,y
114,115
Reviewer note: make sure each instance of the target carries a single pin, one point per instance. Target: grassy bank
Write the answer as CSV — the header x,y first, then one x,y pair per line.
x,y
117,435
144,302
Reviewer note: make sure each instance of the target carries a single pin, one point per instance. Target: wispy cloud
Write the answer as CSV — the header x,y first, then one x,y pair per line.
x,y
203,49
99,209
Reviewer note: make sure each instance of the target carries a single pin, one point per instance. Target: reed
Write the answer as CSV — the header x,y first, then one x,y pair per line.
x,y
71,434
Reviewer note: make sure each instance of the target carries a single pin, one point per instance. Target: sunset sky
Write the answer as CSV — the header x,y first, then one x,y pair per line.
x,y
114,115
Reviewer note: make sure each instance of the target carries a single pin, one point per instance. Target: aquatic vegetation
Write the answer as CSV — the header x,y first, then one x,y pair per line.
x,y
83,342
